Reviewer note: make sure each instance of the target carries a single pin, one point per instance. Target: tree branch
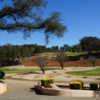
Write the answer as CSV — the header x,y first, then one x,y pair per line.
x,y
19,25
7,12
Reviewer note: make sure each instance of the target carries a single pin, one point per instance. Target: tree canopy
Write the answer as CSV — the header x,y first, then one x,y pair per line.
x,y
27,16
90,44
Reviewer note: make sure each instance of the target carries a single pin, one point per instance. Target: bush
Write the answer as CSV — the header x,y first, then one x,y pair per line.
x,y
76,85
93,86
47,82
2,74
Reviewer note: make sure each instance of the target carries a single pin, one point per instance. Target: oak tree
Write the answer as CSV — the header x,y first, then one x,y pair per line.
x,y
27,16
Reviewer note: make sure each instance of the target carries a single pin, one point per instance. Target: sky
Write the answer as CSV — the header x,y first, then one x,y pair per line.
x,y
82,18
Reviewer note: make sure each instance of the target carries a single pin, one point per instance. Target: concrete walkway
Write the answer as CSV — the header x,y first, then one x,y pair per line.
x,y
20,90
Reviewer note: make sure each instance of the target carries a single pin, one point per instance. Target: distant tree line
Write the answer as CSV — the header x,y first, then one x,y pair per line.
x,y
12,54
86,44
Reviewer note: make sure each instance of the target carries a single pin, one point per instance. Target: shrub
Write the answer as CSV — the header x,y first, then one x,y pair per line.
x,y
47,82
93,86
76,85
2,74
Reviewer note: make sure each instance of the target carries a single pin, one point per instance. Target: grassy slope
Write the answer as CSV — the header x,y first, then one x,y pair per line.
x,y
93,72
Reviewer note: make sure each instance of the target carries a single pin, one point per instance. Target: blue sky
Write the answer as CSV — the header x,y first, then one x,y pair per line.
x,y
82,17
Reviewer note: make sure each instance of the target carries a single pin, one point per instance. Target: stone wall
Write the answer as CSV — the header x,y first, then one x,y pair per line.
x,y
3,87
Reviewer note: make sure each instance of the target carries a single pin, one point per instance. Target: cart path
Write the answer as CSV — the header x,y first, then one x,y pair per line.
x,y
20,90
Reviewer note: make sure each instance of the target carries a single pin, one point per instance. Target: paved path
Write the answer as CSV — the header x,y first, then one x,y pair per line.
x,y
20,90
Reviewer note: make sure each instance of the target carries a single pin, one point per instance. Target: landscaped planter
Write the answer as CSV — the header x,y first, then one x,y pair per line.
x,y
63,92
3,87
46,91
76,85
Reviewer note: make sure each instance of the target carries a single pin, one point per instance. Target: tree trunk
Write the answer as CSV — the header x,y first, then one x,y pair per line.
x,y
42,69
62,66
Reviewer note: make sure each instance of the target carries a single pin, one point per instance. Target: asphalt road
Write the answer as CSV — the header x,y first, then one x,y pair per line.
x,y
21,90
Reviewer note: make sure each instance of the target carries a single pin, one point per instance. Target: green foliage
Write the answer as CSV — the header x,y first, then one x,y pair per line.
x,y
2,74
90,44
66,48
20,10
76,48
11,55
47,82
93,86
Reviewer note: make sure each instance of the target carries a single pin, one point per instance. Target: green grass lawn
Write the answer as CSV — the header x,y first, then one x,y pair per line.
x,y
93,72
67,53
25,70
10,71
73,53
